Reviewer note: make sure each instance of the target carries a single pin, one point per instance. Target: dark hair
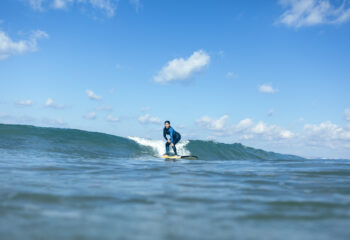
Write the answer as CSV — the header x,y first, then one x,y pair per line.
x,y
167,122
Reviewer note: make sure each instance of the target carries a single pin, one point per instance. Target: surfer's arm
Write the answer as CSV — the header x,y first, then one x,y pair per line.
x,y
171,131
164,135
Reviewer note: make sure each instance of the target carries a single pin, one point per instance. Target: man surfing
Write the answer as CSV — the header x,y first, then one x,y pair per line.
x,y
174,137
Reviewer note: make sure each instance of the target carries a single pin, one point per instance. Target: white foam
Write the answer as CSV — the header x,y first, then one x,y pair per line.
x,y
159,145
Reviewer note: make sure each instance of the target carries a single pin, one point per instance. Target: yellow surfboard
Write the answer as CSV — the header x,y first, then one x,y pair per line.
x,y
171,157
179,157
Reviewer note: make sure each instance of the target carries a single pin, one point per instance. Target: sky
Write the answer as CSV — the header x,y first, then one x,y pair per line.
x,y
268,74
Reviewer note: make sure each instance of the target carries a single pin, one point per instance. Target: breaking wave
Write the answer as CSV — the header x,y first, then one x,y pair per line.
x,y
73,143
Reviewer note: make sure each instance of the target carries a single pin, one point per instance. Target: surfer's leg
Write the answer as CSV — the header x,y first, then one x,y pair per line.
x,y
174,147
167,148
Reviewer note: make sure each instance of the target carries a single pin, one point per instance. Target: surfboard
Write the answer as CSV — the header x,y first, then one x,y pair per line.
x,y
175,157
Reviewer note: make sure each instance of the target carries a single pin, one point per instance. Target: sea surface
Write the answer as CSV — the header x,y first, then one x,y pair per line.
x,y
73,184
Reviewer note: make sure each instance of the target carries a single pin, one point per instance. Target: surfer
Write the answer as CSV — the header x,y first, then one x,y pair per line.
x,y
174,137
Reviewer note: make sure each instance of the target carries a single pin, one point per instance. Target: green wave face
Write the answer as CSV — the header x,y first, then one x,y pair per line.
x,y
68,142
74,143
213,150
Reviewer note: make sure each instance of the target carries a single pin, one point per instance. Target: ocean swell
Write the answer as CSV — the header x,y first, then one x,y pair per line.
x,y
73,143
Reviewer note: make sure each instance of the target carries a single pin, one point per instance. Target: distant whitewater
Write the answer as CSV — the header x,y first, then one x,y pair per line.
x,y
75,143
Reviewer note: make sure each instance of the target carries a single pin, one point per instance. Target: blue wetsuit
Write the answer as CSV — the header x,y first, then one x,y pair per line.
x,y
174,138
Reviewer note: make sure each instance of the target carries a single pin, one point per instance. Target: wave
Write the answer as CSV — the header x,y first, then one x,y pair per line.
x,y
75,143
159,145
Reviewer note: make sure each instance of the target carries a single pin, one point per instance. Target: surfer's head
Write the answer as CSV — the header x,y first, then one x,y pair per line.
x,y
167,124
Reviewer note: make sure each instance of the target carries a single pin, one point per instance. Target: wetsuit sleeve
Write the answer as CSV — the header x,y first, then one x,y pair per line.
x,y
171,131
164,134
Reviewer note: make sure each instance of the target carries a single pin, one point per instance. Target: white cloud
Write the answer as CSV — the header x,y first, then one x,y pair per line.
x,y
104,108
147,119
180,69
26,102
213,124
61,3
301,13
36,4
327,134
90,116
108,6
243,125
267,88
271,131
111,118
51,104
9,47
92,95
347,114
245,129
312,139
232,75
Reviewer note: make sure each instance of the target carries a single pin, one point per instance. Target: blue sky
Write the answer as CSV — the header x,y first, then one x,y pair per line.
x,y
269,74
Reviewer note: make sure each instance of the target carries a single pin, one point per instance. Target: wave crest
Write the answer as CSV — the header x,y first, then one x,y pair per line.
x,y
159,145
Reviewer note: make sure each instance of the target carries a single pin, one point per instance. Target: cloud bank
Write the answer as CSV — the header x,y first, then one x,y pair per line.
x,y
319,135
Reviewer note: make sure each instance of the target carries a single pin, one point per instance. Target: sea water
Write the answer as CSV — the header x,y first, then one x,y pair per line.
x,y
72,184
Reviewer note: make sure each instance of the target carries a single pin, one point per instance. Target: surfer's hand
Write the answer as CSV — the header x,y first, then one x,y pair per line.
x,y
172,144
168,140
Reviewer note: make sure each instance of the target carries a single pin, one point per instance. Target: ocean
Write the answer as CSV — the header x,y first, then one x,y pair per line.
x,y
73,184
